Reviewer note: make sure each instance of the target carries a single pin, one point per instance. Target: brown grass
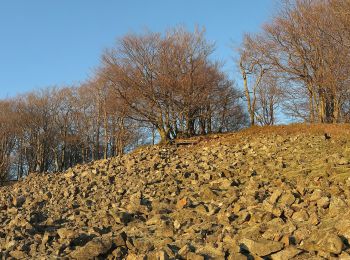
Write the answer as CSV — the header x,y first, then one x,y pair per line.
x,y
336,131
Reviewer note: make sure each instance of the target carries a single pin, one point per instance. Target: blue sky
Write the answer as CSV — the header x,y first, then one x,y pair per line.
x,y
59,42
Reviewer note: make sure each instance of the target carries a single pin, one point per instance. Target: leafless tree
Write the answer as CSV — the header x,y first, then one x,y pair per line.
x,y
167,81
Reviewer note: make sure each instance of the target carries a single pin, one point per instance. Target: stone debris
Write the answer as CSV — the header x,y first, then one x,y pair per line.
x,y
268,196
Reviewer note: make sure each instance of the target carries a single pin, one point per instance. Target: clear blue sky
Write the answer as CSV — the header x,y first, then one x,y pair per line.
x,y
59,42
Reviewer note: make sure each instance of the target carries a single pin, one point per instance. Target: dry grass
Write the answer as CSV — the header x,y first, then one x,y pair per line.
x,y
334,130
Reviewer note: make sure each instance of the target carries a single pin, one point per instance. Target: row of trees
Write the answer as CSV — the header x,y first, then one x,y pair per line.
x,y
300,61
149,88
54,129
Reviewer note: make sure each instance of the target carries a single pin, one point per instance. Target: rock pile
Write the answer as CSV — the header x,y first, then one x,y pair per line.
x,y
263,196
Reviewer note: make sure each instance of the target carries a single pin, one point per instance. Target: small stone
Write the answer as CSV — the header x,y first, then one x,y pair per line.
x,y
286,240
314,220
301,189
45,238
343,161
221,183
201,209
236,208
162,255
286,199
143,245
184,251
261,247
133,256
323,202
65,233
177,224
272,208
94,248
243,216
236,256
316,195
337,206
19,201
275,196
324,241
208,194
194,256
300,215
119,252
17,254
331,243
120,239
184,202
344,256
287,253
123,218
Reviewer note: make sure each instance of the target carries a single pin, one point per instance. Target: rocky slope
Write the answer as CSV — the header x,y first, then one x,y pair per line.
x,y
264,193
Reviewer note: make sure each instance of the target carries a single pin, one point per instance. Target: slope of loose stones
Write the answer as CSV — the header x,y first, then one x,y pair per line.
x,y
272,196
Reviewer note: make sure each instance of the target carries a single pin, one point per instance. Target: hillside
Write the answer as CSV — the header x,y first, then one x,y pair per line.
x,y
272,193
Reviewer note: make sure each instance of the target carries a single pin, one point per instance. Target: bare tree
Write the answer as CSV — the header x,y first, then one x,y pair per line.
x,y
253,67
166,81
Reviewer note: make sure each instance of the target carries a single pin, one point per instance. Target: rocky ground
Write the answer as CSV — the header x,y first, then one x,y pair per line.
x,y
266,193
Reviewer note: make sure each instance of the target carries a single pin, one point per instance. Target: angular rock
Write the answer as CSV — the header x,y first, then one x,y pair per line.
x,y
331,243
286,254
96,247
19,201
323,202
301,216
194,256
184,202
65,233
261,247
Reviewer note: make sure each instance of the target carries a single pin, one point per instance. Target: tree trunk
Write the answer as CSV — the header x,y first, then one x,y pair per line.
x,y
247,95
311,106
164,136
336,110
106,136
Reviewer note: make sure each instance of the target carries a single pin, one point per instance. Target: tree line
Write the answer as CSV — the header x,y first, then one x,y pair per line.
x,y
149,88
300,62
54,129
